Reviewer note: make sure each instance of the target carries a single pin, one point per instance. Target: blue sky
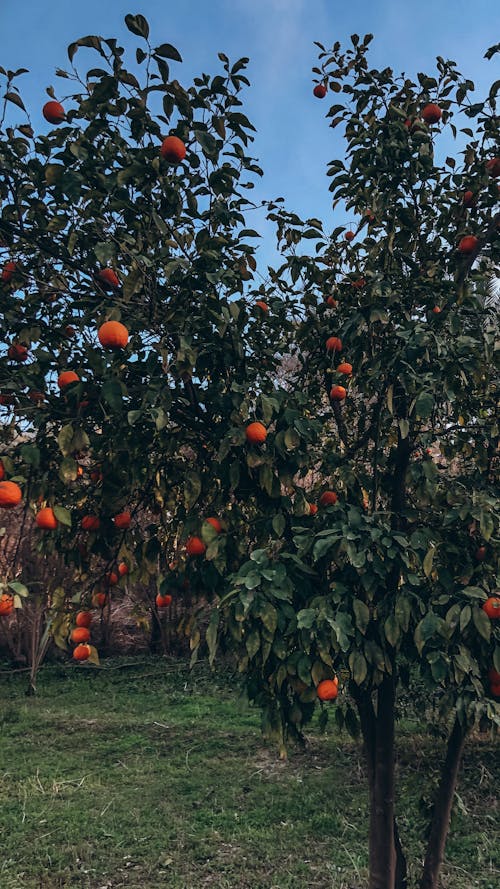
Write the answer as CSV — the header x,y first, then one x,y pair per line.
x,y
293,142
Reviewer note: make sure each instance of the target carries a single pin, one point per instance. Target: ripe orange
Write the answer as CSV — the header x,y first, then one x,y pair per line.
x,y
493,166
345,368
108,278
8,271
6,604
468,244
69,330
2,471
359,283
53,112
468,199
163,601
436,310
195,546
262,305
80,634
90,523
337,393
313,509
431,113
82,652
67,377
83,619
495,689
319,91
494,677
256,433
122,520
333,344
123,569
173,150
10,495
36,397
328,498
331,301
350,235
480,554
46,519
328,689
492,607
215,524
111,578
113,335
100,600
17,352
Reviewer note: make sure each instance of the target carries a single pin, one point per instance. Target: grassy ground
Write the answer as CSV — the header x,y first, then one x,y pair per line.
x,y
151,777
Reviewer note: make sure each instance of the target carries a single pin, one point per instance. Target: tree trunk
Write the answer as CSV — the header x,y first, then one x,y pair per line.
x,y
382,845
442,809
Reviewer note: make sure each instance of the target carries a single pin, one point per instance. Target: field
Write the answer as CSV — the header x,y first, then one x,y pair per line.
x,y
145,776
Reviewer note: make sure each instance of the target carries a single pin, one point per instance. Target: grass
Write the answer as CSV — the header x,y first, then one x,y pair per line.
x,y
153,777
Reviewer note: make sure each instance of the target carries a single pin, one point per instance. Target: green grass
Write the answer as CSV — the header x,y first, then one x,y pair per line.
x,y
153,777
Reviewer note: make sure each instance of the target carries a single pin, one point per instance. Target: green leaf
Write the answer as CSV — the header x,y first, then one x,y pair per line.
x,y
112,394
358,667
392,630
133,416
269,617
404,428
279,524
63,515
167,51
212,635
192,489
19,588
465,617
65,439
292,439
428,560
424,405
306,618
362,614
482,623
252,643
138,25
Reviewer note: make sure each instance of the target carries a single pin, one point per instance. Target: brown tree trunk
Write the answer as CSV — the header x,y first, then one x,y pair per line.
x,y
442,809
382,845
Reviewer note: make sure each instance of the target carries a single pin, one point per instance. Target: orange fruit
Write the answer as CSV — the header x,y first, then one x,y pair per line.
x,y
8,271
17,352
90,523
123,569
480,554
195,546
173,150
494,677
80,634
345,368
10,495
256,433
36,397
468,199
313,509
320,91
262,305
333,344
349,236
468,244
332,302
359,283
492,607
111,578
493,166
163,601
122,520
495,689
82,652
66,377
431,113
2,471
215,524
6,604
328,498
328,689
436,310
113,335
108,278
53,112
46,519
100,600
337,393
83,619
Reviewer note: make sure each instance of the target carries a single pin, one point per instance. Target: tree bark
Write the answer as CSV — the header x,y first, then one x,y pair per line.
x,y
382,844
442,809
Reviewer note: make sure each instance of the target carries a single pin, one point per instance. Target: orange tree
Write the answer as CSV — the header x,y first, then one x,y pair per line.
x,y
359,380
